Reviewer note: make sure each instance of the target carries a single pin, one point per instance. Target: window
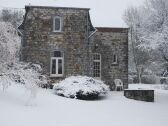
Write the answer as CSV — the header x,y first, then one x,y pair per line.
x,y
114,59
57,24
57,64
97,65
57,54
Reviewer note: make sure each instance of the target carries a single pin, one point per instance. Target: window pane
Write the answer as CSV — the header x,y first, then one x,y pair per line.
x,y
96,68
57,24
96,56
53,71
57,54
59,66
115,58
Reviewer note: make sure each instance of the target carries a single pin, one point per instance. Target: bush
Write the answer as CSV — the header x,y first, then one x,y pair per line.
x,y
150,79
5,81
164,80
28,74
146,79
80,87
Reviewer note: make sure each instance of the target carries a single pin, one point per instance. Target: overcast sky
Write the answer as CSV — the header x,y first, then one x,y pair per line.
x,y
104,13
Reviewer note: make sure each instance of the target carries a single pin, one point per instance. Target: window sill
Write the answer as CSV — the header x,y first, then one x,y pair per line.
x,y
56,76
98,78
57,31
114,64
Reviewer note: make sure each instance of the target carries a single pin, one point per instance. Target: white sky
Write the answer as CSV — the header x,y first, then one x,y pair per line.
x,y
107,13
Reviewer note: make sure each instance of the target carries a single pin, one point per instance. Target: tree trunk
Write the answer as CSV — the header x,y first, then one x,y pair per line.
x,y
134,55
139,73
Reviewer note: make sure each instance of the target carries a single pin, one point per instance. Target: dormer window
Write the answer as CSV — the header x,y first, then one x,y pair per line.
x,y
57,24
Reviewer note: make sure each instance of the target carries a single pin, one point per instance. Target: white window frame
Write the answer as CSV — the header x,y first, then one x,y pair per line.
x,y
57,75
116,59
99,62
60,18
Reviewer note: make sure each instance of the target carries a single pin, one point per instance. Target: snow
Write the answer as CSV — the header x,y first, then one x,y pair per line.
x,y
74,84
50,109
157,87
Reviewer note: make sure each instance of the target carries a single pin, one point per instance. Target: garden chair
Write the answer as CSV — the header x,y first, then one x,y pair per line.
x,y
118,84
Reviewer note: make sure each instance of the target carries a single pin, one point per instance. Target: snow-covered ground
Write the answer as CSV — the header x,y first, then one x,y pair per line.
x,y
52,110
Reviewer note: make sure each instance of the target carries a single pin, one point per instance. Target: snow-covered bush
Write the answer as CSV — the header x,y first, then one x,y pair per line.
x,y
80,87
28,74
165,86
11,70
5,81
164,82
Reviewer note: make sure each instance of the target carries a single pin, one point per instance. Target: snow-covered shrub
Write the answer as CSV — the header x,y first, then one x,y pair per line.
x,y
28,74
5,81
164,82
80,87
12,71
165,86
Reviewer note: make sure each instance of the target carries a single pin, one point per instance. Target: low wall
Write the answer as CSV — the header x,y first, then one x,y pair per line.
x,y
140,94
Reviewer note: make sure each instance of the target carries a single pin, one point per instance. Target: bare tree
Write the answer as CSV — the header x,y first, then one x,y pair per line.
x,y
158,10
9,45
6,15
13,16
137,54
148,35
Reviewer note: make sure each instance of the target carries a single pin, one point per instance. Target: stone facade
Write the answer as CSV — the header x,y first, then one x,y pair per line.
x,y
78,41
110,42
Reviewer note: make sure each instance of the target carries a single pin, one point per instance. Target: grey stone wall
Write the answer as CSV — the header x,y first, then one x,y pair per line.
x,y
108,43
39,40
140,94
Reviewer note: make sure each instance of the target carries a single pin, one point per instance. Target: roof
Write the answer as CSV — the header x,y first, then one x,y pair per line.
x,y
54,7
109,29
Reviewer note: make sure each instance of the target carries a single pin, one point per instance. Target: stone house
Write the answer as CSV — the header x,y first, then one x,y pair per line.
x,y
64,42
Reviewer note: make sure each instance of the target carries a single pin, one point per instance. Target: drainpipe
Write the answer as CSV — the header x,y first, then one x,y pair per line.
x,y
92,33
19,32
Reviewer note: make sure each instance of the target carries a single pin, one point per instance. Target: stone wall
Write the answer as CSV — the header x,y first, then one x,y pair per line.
x,y
141,95
107,42
39,41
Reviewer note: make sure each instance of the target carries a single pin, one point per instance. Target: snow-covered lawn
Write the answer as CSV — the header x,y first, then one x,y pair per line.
x,y
53,110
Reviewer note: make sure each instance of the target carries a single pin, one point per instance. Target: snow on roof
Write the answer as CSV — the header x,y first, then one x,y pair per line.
x,y
54,7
